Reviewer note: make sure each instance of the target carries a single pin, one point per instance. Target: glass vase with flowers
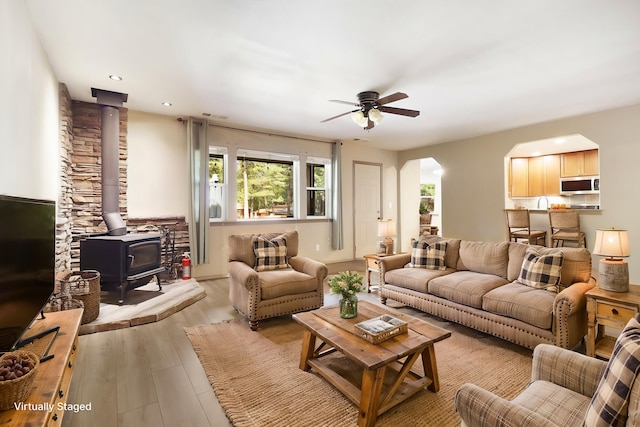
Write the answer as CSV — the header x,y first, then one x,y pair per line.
x,y
347,285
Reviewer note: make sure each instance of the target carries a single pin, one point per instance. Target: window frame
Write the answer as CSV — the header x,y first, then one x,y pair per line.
x,y
326,164
219,152
429,197
230,185
273,158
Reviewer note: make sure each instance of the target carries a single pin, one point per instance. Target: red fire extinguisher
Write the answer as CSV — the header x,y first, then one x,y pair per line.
x,y
186,266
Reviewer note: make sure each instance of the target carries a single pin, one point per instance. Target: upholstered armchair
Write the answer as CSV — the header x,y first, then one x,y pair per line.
x,y
268,278
566,389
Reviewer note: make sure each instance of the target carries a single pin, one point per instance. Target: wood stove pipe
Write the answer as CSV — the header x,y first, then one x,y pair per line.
x,y
110,102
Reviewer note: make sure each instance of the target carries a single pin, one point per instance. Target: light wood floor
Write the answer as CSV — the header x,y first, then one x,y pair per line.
x,y
149,375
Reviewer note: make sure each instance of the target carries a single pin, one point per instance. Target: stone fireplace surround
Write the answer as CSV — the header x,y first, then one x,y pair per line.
x,y
79,205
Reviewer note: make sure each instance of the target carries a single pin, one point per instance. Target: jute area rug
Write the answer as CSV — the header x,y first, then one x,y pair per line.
x,y
256,378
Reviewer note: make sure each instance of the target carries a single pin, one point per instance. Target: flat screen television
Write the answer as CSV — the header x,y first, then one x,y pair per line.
x,y
27,264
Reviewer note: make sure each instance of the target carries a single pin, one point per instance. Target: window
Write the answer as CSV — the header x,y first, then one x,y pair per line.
x,y
252,185
216,183
316,189
427,198
265,187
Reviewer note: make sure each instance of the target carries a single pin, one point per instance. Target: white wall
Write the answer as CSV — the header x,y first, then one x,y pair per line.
x,y
29,118
158,177
474,181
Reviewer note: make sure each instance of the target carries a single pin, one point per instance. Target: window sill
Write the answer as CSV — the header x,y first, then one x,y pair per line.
x,y
242,222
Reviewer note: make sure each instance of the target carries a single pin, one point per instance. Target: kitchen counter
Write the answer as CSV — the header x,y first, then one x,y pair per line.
x,y
582,211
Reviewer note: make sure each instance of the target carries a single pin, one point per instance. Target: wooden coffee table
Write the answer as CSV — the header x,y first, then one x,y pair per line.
x,y
387,376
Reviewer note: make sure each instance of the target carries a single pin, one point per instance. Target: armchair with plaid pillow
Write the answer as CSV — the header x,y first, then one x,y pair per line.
x,y
566,389
267,277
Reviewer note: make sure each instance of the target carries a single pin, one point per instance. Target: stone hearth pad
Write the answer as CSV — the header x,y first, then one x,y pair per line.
x,y
145,304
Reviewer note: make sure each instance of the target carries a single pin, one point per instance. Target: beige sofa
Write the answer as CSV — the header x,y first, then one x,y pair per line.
x,y
479,288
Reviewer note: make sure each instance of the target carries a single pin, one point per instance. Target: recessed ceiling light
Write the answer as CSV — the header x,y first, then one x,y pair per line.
x,y
167,104
535,153
115,77
559,140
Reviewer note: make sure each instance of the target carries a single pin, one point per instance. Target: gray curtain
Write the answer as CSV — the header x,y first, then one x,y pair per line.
x,y
336,205
199,191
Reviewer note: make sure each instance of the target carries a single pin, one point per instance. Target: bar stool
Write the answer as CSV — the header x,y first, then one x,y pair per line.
x,y
519,227
565,227
425,225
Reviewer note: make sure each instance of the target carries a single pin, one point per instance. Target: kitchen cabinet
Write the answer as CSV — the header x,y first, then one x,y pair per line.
x,y
579,163
544,176
519,177
535,176
591,164
552,175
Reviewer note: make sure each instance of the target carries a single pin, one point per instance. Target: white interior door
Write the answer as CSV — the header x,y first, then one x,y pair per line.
x,y
367,190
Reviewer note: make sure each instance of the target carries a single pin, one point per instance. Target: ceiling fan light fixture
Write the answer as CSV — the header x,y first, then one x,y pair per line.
x,y
359,118
370,107
375,115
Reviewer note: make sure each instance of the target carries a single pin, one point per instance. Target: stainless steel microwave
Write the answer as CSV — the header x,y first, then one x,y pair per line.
x,y
580,185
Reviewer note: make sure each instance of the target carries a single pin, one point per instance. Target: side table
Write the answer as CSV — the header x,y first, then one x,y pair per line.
x,y
613,309
372,263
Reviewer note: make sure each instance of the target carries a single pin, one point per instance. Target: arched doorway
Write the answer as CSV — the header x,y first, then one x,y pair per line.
x,y
431,193
420,191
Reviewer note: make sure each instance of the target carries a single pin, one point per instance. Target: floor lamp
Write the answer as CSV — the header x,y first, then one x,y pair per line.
x,y
614,271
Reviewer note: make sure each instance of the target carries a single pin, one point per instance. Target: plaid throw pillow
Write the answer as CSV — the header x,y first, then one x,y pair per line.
x,y
609,404
425,255
270,254
541,271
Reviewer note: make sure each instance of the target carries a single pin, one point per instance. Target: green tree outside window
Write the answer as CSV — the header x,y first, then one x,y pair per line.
x,y
427,198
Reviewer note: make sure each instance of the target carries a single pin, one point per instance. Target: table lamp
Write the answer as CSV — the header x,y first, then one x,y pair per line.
x,y
614,271
387,229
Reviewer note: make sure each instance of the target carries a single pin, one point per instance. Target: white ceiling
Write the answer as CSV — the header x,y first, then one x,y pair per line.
x,y
471,67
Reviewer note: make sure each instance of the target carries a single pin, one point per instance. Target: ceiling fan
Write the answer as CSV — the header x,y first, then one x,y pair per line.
x,y
370,105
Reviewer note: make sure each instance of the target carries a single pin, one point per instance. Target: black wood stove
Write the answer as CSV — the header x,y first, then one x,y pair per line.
x,y
124,260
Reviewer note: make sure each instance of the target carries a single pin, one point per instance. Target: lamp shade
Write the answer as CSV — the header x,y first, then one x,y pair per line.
x,y
386,228
375,115
360,119
612,243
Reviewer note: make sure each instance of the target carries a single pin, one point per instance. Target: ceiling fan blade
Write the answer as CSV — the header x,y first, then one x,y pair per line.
x,y
393,97
355,104
401,111
335,117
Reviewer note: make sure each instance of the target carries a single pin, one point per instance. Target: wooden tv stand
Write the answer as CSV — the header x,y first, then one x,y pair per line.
x,y
53,377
